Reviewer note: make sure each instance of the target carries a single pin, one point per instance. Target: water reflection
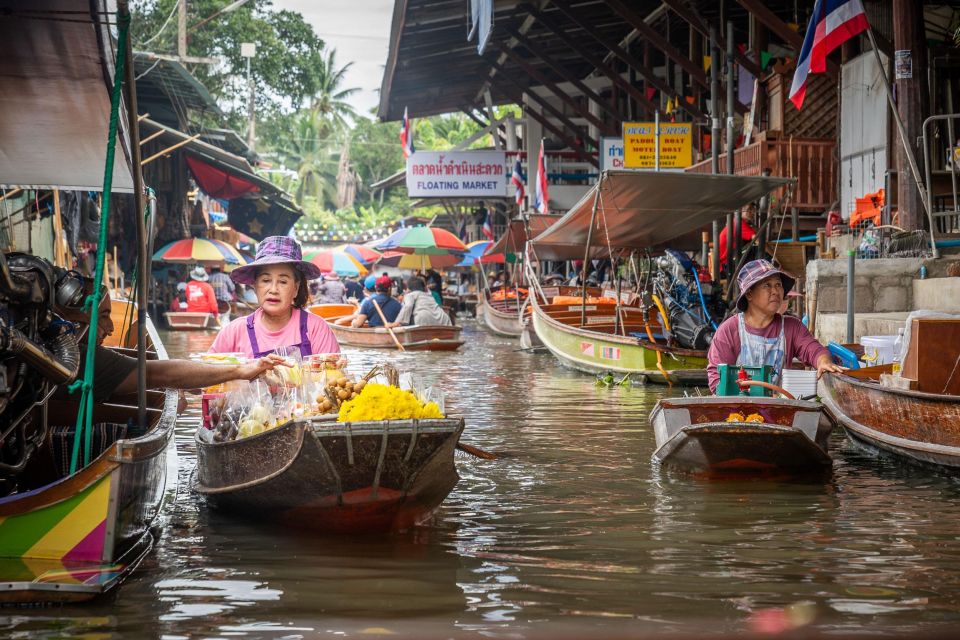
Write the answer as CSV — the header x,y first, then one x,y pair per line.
x,y
571,530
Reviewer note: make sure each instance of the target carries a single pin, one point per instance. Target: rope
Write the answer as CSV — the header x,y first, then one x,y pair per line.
x,y
85,415
163,27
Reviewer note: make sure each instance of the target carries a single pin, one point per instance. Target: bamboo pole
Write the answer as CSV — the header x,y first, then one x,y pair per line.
x,y
168,150
152,136
10,194
59,255
376,306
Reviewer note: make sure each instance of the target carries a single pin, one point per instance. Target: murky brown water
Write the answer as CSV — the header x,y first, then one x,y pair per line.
x,y
572,531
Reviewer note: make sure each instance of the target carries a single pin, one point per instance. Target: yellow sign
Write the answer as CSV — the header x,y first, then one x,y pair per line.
x,y
639,145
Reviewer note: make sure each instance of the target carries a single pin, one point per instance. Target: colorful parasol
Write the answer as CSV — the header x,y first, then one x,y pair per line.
x,y
422,241
363,255
423,262
202,250
338,262
475,254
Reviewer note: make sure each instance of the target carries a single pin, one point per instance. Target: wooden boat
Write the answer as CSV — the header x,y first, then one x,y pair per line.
x,y
914,425
414,338
361,477
191,321
69,538
502,317
603,345
329,311
693,433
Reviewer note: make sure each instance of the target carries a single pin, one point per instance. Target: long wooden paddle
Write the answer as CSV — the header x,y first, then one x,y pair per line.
x,y
477,452
376,306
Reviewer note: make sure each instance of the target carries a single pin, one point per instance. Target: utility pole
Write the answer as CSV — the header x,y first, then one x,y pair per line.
x,y
182,29
248,50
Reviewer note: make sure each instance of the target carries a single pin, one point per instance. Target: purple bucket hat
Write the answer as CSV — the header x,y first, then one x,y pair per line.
x,y
755,271
276,250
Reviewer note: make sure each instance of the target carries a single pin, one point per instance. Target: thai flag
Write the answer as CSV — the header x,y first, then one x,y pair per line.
x,y
542,200
833,22
517,180
406,136
488,227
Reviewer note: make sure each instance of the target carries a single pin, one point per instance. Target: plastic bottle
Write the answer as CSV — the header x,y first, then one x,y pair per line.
x,y
923,272
897,350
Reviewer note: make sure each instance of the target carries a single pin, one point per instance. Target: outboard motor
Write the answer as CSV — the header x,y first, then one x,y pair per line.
x,y
691,303
38,351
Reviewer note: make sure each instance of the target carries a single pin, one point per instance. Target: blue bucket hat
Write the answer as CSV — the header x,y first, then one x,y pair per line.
x,y
370,283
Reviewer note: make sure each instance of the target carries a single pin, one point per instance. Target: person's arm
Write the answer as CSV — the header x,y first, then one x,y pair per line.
x,y
724,349
232,288
808,350
359,320
187,374
406,312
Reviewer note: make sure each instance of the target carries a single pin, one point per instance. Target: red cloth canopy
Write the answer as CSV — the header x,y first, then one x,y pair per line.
x,y
216,182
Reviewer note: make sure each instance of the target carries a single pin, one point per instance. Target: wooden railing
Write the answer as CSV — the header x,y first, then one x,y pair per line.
x,y
809,160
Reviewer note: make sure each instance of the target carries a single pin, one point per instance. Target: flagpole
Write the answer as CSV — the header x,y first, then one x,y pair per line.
x,y
914,169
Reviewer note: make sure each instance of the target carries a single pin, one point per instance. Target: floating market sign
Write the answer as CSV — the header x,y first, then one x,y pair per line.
x,y
612,150
640,145
457,174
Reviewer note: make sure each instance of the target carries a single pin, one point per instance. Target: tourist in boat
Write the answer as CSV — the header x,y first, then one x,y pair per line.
x,y
200,295
353,289
225,292
331,290
367,315
434,283
279,278
759,334
179,301
420,308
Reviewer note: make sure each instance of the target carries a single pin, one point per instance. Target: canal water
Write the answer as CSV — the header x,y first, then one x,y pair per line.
x,y
572,531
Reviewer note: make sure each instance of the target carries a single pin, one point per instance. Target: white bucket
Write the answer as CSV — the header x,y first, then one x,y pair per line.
x,y
878,349
800,382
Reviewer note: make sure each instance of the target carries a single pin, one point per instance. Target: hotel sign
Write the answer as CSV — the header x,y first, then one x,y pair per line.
x,y
457,174
640,144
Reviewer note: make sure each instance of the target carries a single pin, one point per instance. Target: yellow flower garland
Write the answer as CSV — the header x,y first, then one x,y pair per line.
x,y
384,402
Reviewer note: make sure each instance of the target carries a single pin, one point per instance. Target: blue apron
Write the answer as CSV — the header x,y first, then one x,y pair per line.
x,y
756,351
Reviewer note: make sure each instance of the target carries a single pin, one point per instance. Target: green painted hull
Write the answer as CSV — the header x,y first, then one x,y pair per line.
x,y
594,352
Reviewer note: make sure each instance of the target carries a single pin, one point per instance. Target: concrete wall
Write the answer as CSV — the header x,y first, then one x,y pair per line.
x,y
885,291
880,286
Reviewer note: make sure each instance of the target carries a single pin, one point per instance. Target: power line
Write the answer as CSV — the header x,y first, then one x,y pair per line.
x,y
165,23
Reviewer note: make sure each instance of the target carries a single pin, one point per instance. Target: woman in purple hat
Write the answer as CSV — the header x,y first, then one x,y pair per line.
x,y
279,278
759,334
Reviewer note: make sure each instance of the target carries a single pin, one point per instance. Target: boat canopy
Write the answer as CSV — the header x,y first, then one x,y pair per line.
x,y
639,210
56,72
514,239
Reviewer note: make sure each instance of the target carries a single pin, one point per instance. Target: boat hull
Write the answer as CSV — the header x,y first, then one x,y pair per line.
x,y
595,352
415,338
190,321
77,537
915,426
500,321
692,433
366,477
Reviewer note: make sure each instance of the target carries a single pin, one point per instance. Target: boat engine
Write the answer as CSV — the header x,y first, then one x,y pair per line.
x,y
38,351
691,304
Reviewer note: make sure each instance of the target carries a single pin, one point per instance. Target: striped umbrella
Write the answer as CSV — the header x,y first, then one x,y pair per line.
x,y
202,250
423,241
338,262
423,261
363,255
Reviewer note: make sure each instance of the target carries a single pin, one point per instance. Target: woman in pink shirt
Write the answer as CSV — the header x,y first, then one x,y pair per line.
x,y
759,334
279,278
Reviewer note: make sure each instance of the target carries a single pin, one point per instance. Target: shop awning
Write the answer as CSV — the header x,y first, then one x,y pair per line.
x,y
515,237
640,210
55,76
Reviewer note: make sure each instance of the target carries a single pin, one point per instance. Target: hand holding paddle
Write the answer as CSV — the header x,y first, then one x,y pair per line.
x,y
376,306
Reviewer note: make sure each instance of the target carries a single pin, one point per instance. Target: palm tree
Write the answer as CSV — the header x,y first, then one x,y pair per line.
x,y
308,152
330,105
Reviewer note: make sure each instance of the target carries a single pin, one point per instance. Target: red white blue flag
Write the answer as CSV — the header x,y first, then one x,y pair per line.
x,y
542,200
517,180
832,23
488,227
406,136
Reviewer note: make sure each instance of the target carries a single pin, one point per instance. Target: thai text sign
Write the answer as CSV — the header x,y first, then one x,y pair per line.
x,y
457,174
640,144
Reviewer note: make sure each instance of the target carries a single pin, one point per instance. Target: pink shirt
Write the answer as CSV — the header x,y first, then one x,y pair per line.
x,y
234,338
725,347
